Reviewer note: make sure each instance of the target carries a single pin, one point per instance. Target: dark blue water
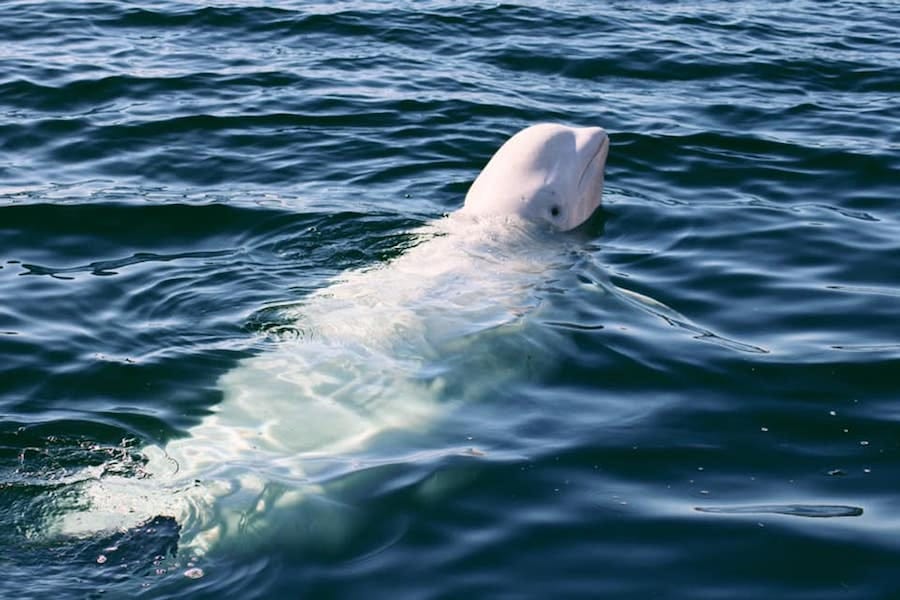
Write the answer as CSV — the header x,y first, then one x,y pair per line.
x,y
716,413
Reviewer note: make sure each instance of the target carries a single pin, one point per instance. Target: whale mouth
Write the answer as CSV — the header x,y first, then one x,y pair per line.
x,y
598,158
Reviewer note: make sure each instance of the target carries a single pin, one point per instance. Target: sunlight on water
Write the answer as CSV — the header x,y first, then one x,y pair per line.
x,y
200,200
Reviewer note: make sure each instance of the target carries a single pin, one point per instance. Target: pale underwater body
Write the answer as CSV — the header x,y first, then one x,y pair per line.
x,y
365,370
357,373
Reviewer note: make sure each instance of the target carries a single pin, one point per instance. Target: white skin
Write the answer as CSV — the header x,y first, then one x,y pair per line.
x,y
546,173
360,366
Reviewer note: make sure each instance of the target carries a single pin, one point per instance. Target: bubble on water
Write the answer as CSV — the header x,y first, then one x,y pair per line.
x,y
194,573
101,559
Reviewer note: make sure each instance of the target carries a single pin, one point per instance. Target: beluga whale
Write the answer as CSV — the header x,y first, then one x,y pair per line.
x,y
341,374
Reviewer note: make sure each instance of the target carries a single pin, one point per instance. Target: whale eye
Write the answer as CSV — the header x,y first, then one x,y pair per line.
x,y
554,211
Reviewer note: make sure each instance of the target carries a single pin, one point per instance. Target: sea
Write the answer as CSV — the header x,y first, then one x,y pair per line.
x,y
702,401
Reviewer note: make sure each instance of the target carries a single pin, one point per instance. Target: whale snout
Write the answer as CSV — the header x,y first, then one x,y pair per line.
x,y
592,146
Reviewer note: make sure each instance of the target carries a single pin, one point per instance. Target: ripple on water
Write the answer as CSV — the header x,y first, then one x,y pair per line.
x,y
724,337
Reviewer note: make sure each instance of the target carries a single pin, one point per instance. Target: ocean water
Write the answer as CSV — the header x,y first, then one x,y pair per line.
x,y
715,413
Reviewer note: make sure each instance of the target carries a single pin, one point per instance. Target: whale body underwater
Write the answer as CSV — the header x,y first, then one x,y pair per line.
x,y
378,351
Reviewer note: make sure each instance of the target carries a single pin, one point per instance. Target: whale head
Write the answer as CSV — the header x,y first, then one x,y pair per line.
x,y
546,173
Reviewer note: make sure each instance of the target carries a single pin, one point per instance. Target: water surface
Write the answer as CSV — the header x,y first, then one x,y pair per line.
x,y
713,415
